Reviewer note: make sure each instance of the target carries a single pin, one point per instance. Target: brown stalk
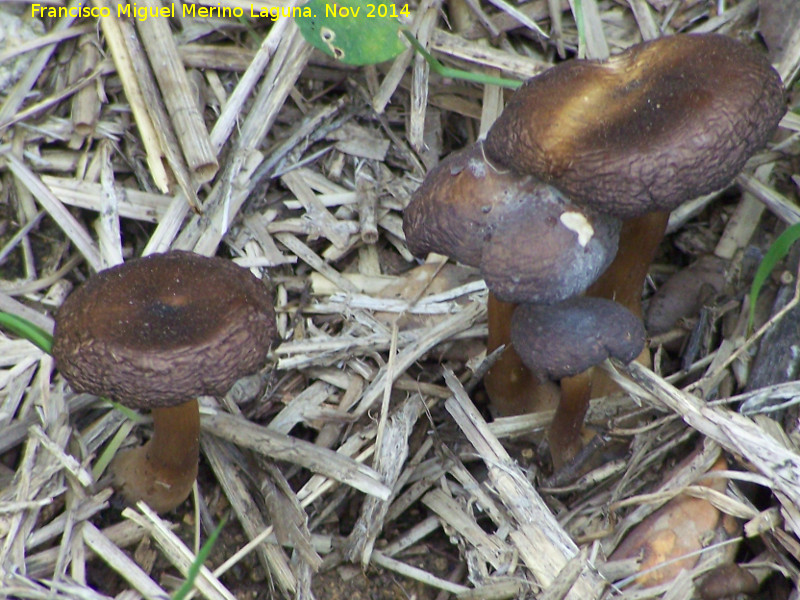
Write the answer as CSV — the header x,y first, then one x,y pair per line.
x,y
162,471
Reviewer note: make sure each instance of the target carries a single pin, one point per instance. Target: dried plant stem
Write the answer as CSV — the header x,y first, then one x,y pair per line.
x,y
178,95
122,60
543,545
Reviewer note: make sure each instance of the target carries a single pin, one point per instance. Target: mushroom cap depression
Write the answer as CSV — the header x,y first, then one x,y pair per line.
x,y
567,338
164,329
662,122
530,243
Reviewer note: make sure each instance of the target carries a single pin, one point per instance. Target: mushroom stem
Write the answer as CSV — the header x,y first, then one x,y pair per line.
x,y
564,435
622,282
624,279
162,471
512,388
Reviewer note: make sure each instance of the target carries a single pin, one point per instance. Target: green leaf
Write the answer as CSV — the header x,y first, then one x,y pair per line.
x,y
353,31
25,329
776,253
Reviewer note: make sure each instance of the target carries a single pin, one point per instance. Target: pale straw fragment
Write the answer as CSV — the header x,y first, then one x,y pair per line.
x,y
131,203
216,57
416,573
391,452
170,225
220,455
154,104
520,16
61,216
312,259
110,553
107,224
16,96
429,338
86,103
744,222
367,194
512,64
51,37
400,65
65,460
784,209
644,19
734,432
491,548
177,552
420,80
30,286
306,401
315,211
543,545
178,95
256,225
305,454
115,39
231,191
596,44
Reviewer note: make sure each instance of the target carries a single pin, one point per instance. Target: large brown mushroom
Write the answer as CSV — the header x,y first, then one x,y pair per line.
x,y
631,137
645,130
155,333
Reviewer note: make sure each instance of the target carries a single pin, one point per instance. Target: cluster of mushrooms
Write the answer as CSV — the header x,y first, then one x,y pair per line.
x,y
563,205
156,333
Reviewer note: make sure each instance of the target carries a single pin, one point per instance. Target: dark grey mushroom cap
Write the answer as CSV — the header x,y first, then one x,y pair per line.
x,y
530,243
163,329
645,130
567,338
545,251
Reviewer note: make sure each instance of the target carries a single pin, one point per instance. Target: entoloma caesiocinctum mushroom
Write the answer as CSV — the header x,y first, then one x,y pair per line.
x,y
629,137
157,332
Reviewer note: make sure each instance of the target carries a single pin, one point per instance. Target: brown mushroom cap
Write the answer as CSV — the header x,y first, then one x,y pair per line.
x,y
530,243
164,329
645,130
567,338
449,213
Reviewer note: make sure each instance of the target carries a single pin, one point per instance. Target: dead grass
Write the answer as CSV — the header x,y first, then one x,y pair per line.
x,y
361,445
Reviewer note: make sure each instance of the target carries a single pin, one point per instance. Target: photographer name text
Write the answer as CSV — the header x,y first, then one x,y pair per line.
x,y
142,13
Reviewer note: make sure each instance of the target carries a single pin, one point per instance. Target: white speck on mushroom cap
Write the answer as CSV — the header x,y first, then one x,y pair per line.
x,y
478,168
577,222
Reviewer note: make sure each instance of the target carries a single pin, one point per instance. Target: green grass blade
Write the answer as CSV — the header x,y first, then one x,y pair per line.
x,y
27,330
579,23
776,253
194,568
438,67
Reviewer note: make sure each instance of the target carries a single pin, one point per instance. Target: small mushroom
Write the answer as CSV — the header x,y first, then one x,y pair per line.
x,y
566,339
569,337
157,332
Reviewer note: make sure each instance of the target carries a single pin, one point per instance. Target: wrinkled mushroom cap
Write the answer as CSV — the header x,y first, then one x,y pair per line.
x,y
567,338
645,130
530,243
163,329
